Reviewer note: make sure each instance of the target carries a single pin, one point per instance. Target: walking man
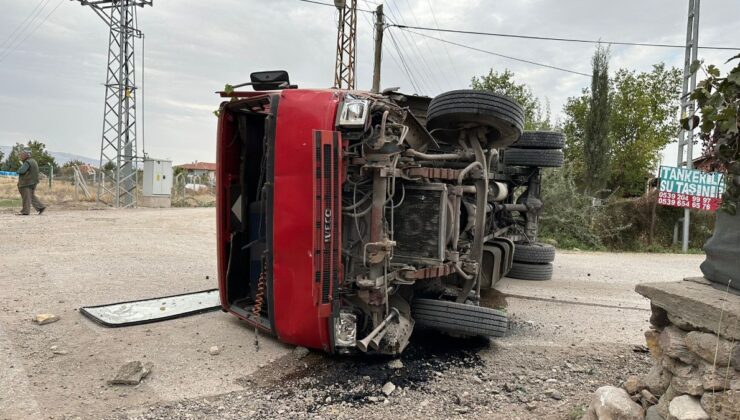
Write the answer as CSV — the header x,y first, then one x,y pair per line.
x,y
28,178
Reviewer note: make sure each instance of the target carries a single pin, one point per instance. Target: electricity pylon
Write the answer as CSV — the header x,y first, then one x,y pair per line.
x,y
344,70
118,145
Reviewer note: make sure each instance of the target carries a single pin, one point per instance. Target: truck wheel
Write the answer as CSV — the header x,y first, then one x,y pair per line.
x,y
540,140
524,271
542,158
459,318
457,108
536,253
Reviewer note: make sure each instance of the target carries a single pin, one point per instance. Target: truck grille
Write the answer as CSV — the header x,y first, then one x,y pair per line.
x,y
327,211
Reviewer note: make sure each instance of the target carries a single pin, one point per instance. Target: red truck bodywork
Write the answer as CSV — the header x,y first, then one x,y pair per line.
x,y
298,316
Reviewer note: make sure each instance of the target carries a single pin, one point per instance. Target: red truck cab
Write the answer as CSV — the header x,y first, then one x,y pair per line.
x,y
347,218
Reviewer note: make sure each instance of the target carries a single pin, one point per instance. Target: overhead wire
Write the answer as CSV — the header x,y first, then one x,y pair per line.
x,y
432,55
22,24
447,50
331,5
522,60
426,70
10,51
548,38
386,47
414,84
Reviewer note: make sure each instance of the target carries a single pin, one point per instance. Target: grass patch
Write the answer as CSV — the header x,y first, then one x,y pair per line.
x,y
577,412
10,202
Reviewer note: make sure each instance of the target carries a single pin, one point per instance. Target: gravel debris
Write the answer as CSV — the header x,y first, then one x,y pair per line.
x,y
436,382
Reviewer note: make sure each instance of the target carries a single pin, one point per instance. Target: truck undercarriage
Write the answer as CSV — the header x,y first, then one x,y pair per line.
x,y
347,219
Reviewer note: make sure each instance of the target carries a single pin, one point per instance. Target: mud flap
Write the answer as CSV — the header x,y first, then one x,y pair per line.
x,y
144,311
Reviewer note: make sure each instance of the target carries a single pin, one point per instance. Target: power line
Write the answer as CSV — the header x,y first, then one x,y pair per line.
x,y
447,51
12,34
35,28
499,55
546,38
331,5
426,70
405,66
396,63
434,58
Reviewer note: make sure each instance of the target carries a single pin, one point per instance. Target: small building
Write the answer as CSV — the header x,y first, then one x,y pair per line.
x,y
199,172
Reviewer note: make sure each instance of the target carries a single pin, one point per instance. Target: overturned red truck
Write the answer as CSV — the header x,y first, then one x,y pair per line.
x,y
346,218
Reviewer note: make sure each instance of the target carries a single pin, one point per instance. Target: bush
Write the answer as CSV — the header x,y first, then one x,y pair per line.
x,y
575,220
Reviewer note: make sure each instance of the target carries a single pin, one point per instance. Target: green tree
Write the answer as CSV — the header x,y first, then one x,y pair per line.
x,y
536,115
642,121
596,134
73,162
38,152
574,127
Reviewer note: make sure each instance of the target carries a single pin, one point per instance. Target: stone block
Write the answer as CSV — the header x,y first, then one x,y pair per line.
x,y
686,408
691,385
673,343
722,405
696,306
665,401
652,341
713,349
658,379
633,384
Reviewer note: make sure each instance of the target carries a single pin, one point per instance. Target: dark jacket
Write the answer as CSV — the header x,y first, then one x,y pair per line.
x,y
28,174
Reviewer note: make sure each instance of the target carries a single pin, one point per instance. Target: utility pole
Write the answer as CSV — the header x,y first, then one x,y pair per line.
x,y
379,24
686,137
344,69
118,144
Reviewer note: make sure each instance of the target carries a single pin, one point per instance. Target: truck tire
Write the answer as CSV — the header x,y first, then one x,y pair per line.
x,y
543,158
536,253
524,271
459,318
454,109
540,140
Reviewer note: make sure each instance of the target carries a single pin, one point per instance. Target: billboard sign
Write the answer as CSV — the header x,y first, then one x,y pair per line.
x,y
690,188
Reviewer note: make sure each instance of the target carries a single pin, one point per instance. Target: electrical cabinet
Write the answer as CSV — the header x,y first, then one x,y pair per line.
x,y
157,177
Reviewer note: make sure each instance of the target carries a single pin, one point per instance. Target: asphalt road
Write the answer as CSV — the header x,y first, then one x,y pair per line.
x,y
63,260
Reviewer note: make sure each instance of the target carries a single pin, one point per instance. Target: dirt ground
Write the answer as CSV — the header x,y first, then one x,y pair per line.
x,y
568,336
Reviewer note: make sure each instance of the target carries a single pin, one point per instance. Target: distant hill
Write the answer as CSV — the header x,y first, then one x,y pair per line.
x,y
60,157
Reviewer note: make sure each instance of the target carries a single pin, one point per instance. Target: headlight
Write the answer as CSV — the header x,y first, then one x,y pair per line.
x,y
354,112
345,329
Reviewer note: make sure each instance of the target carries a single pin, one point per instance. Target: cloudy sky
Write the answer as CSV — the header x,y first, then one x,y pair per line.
x,y
51,74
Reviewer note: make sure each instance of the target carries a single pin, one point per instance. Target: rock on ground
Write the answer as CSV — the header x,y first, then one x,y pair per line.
x,y
300,352
610,402
633,385
131,373
686,407
388,389
42,319
395,364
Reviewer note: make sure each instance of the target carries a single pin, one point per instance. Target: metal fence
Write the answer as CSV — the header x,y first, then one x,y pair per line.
x,y
85,183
